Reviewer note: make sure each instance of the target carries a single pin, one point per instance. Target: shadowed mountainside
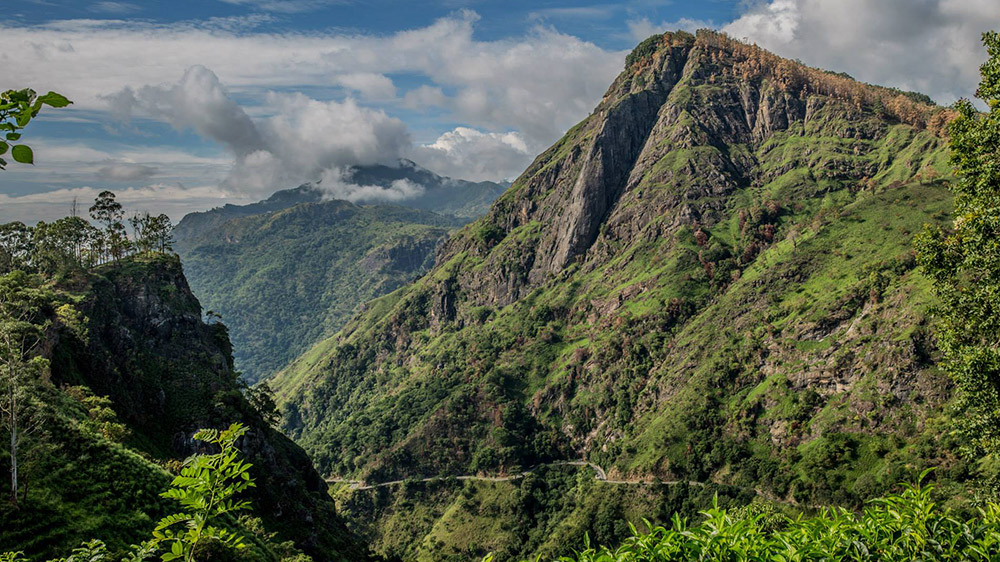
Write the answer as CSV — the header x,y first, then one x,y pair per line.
x,y
132,331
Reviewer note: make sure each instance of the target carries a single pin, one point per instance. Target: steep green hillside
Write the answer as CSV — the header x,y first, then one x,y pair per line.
x,y
709,279
284,280
131,331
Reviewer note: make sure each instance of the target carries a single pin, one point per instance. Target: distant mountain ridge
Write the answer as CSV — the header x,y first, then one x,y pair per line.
x,y
287,271
442,195
194,224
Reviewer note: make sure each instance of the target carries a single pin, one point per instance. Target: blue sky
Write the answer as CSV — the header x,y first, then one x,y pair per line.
x,y
601,22
186,105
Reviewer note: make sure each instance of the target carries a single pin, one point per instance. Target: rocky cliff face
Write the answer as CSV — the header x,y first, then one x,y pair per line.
x,y
141,342
708,278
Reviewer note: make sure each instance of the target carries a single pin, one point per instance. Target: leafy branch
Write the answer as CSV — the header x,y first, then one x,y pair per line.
x,y
207,489
17,108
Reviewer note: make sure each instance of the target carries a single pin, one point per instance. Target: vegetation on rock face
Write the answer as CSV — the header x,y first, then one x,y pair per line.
x,y
644,50
710,279
964,263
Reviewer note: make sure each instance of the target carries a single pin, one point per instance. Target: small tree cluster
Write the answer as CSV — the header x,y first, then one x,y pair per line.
x,y
73,242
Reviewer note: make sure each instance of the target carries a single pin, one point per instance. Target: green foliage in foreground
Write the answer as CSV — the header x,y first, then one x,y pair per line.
x,y
903,527
207,488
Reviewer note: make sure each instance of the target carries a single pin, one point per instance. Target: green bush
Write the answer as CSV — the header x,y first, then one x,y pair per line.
x,y
903,527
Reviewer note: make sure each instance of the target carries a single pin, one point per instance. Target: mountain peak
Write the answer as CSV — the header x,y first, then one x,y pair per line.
x,y
715,56
685,126
657,45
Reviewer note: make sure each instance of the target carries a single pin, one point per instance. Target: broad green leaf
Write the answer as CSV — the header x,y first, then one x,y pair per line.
x,y
53,99
13,136
3,147
22,153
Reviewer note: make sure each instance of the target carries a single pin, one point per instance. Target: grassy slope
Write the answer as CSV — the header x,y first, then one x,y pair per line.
x,y
853,444
82,488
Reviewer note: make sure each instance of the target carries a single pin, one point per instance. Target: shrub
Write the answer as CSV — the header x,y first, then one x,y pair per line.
x,y
901,527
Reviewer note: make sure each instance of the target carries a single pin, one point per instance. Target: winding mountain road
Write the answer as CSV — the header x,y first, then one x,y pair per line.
x,y
599,475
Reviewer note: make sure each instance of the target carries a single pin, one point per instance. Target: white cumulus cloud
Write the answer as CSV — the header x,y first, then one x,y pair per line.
x,y
370,85
475,155
233,84
336,185
539,83
199,102
299,140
